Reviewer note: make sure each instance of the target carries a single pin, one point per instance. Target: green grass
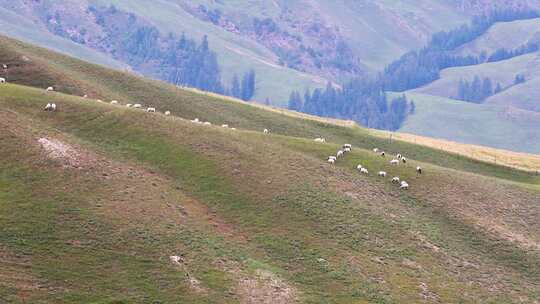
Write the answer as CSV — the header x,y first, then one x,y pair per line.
x,y
250,202
291,222
488,125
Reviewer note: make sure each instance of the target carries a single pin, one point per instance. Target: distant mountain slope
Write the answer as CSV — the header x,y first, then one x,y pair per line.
x,y
502,72
504,35
19,27
490,125
291,45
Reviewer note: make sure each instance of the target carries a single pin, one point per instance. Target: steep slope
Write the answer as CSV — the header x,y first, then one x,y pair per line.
x,y
490,125
143,188
113,192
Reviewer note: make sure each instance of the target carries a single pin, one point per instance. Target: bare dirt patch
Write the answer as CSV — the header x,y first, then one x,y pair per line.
x,y
265,288
58,150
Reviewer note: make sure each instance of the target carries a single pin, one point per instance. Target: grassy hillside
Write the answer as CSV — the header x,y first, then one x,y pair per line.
x,y
256,218
72,76
113,192
503,35
489,125
502,72
18,27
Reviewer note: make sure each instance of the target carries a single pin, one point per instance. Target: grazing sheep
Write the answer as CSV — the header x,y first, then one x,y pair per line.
x,y
85,96
364,171
207,123
225,126
2,80
234,129
347,149
50,107
359,167
382,174
339,153
151,110
50,89
395,180
137,106
347,146
399,156
167,113
196,120
383,154
266,131
332,157
404,186
375,150
331,161
113,102
320,139
404,160
419,170
4,66
394,162
129,105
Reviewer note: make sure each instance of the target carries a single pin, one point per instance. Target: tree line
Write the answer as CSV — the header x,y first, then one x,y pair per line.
x,y
477,90
178,60
366,104
417,68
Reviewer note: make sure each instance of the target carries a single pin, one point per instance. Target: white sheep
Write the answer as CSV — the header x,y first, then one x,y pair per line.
x,y
404,160
85,96
196,120
234,129
50,107
419,170
266,131
382,174
2,80
339,153
375,150
50,89
167,113
399,156
113,102
346,149
404,186
395,180
383,154
394,162
349,146
129,105
359,167
99,100
331,161
4,66
137,106
319,139
207,123
151,110
364,171
224,125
